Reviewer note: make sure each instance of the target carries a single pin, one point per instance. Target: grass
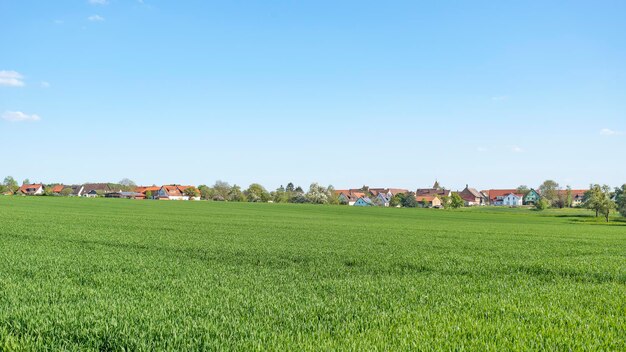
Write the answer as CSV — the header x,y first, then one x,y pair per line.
x,y
102,274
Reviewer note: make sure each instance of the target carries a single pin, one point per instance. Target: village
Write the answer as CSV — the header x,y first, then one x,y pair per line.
x,y
433,197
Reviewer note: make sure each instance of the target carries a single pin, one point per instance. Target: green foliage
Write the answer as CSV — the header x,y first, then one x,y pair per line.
x,y
542,204
236,195
110,275
257,193
149,194
409,201
191,192
396,200
549,191
456,201
620,197
10,184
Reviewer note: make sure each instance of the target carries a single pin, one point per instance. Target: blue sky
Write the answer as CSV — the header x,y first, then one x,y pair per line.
x,y
397,94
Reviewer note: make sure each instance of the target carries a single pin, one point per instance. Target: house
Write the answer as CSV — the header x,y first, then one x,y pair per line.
x,y
428,201
126,195
383,198
496,196
513,200
77,190
363,202
578,196
348,196
472,197
92,190
145,189
31,189
176,192
532,197
57,189
435,191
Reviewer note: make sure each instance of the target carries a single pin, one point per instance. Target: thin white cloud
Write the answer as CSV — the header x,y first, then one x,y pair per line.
x,y
95,18
18,116
610,132
482,149
11,79
500,98
44,84
98,2
516,149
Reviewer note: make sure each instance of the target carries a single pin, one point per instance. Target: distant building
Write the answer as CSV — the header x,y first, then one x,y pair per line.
x,y
428,201
57,189
532,197
154,190
363,202
92,190
31,189
176,192
435,191
126,195
496,196
513,200
472,197
578,196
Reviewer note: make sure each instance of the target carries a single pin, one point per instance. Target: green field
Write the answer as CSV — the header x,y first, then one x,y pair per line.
x,y
112,274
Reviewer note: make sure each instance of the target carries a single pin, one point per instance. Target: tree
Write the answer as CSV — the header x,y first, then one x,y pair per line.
x,y
620,198
26,182
257,193
3,189
206,192
598,198
127,182
299,190
66,191
456,201
333,197
317,194
191,192
235,194
446,202
541,204
523,189
549,190
396,200
149,195
280,195
11,184
592,198
221,190
290,187
409,201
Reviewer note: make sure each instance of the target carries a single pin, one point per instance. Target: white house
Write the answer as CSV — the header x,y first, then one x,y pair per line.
x,y
176,192
31,189
513,200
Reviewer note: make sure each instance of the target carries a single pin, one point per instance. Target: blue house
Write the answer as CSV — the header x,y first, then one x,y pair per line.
x,y
531,198
363,202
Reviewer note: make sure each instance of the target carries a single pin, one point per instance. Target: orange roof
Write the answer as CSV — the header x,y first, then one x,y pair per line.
x,y
34,185
494,193
144,189
57,188
425,198
177,190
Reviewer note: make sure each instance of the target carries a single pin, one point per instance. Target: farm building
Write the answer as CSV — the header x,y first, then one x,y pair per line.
x,y
472,197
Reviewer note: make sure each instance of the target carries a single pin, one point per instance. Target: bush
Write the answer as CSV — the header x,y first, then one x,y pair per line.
x,y
542,204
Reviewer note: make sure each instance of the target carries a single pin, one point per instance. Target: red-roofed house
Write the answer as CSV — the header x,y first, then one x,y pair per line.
x,y
31,189
428,201
496,196
57,189
176,192
471,197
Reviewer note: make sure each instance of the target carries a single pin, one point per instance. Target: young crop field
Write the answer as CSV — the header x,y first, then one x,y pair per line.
x,y
113,274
